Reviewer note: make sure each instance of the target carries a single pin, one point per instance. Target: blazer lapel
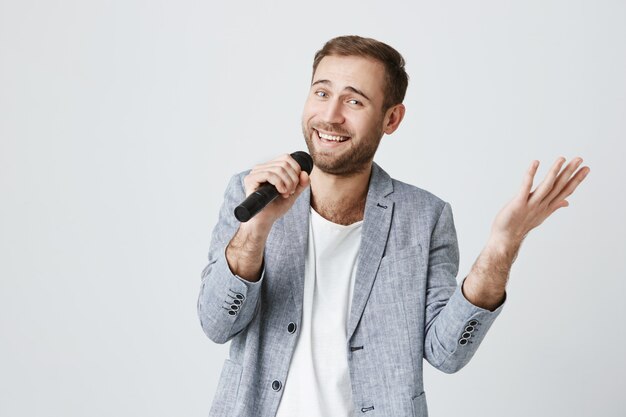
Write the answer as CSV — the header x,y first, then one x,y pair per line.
x,y
295,239
376,225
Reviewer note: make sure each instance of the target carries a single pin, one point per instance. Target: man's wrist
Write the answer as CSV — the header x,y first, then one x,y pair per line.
x,y
244,253
501,248
487,297
486,283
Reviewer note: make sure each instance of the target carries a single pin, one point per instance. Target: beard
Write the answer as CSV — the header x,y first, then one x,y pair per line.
x,y
357,158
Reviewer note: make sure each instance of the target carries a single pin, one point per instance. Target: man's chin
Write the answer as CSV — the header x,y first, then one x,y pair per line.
x,y
338,167
334,162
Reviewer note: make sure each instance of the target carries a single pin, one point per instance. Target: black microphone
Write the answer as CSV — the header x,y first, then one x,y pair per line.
x,y
266,193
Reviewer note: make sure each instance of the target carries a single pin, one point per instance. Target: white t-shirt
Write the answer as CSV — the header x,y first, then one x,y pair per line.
x,y
318,383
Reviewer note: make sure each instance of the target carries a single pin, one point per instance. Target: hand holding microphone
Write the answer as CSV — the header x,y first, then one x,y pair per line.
x,y
286,176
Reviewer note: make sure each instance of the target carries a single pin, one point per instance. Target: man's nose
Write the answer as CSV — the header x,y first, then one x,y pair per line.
x,y
333,112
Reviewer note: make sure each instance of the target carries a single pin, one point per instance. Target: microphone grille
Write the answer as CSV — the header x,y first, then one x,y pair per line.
x,y
304,160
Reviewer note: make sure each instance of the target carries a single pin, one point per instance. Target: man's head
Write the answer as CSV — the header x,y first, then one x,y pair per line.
x,y
396,78
356,95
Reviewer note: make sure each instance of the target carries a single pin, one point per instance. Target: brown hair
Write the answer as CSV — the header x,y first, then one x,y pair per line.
x,y
396,78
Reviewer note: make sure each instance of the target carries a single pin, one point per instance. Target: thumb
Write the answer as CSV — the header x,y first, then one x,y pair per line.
x,y
305,181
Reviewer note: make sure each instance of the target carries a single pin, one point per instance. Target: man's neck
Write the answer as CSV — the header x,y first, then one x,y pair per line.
x,y
340,199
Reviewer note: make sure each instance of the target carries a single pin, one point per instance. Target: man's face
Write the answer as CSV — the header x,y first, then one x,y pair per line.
x,y
343,119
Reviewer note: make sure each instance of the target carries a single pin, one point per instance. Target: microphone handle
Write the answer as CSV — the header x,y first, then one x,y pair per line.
x,y
266,193
255,202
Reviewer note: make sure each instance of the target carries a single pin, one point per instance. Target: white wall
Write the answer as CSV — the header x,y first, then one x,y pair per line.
x,y
121,121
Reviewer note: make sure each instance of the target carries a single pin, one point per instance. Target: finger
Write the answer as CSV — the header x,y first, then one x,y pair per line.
x,y
281,160
290,176
296,166
564,177
527,183
288,165
280,168
546,185
555,207
281,182
305,181
571,186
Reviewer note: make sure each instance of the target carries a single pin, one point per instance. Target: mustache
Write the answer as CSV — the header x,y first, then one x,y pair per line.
x,y
329,127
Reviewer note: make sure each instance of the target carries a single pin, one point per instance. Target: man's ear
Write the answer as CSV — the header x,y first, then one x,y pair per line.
x,y
393,117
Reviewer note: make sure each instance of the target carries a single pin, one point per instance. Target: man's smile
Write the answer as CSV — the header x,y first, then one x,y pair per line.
x,y
326,137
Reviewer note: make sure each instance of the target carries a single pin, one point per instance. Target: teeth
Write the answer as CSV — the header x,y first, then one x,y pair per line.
x,y
331,137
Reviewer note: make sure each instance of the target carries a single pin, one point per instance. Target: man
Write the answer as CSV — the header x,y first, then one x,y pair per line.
x,y
336,291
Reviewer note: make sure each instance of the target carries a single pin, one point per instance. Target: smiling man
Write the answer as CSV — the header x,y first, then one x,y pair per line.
x,y
334,294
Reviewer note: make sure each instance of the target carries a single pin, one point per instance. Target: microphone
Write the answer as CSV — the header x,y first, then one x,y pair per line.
x,y
266,193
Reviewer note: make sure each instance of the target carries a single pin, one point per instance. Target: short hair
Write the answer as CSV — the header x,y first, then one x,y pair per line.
x,y
396,78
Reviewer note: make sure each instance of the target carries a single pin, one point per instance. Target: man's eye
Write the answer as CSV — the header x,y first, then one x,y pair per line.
x,y
320,94
353,101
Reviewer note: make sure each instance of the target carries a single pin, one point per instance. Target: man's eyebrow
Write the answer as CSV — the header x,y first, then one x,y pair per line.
x,y
359,92
349,88
320,82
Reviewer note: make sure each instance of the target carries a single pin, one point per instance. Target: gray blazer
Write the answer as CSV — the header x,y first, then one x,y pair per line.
x,y
406,304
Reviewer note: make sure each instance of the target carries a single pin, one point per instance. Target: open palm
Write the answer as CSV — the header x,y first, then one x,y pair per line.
x,y
530,208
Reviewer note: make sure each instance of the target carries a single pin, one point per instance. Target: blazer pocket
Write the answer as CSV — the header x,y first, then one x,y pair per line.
x,y
397,269
225,398
414,251
419,406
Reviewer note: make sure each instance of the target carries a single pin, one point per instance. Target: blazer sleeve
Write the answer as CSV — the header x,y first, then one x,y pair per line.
x,y
227,303
454,327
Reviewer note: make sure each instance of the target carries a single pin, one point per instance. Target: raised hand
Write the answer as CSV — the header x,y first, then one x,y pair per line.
x,y
529,209
485,284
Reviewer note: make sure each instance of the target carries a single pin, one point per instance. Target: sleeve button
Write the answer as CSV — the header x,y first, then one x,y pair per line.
x,y
276,385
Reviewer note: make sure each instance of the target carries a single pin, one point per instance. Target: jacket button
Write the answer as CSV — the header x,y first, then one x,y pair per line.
x,y
276,385
473,323
291,327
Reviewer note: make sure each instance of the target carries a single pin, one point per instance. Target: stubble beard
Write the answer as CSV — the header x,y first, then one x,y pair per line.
x,y
349,162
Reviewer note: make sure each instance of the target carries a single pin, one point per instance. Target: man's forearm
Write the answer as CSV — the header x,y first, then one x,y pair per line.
x,y
486,283
244,253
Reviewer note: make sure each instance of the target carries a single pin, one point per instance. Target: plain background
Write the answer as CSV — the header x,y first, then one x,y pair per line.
x,y
121,122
